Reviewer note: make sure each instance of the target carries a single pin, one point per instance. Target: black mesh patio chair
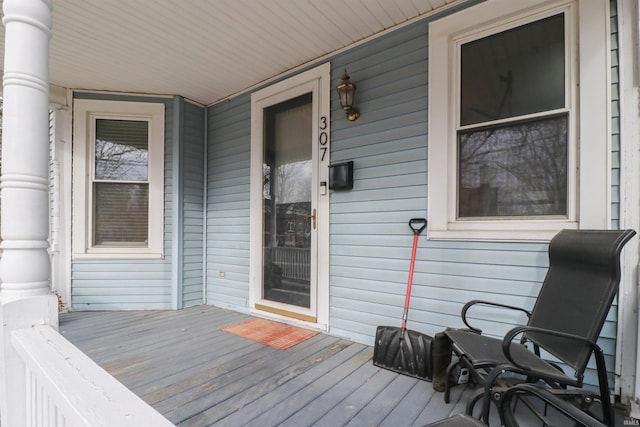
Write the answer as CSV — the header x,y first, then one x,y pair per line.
x,y
565,322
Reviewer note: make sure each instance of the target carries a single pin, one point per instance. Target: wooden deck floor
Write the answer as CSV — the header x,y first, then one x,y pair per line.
x,y
186,367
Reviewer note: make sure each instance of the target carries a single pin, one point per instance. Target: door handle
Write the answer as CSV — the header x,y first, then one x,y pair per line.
x,y
313,219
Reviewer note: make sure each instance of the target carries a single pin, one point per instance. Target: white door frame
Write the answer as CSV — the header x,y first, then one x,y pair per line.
x,y
317,82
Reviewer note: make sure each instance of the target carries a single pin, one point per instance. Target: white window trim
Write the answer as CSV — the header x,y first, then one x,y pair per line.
x,y
85,113
589,137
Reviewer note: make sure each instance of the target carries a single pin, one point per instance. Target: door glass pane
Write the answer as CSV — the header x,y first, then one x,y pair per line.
x,y
121,150
287,202
515,170
513,73
120,214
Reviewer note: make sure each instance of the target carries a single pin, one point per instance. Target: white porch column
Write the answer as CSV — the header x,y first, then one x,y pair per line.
x,y
25,298
24,268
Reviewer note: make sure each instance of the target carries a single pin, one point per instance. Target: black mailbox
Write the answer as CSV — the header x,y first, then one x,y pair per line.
x,y
341,176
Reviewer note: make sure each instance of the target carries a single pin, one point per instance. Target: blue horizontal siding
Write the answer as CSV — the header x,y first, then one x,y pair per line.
x,y
229,150
615,119
121,285
192,186
129,284
370,242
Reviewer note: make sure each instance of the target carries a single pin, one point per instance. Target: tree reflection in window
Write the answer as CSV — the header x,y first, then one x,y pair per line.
x,y
121,150
121,187
516,170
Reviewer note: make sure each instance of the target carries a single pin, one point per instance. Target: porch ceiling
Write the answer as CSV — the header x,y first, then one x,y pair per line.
x,y
207,51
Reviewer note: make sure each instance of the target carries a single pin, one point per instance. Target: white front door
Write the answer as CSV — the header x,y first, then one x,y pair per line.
x,y
289,198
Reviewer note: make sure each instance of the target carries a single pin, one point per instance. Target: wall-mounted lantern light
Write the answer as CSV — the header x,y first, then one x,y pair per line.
x,y
346,90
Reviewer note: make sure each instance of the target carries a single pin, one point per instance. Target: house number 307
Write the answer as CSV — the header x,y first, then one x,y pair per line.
x,y
323,138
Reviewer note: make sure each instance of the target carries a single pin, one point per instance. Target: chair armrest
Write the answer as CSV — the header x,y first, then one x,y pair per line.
x,y
510,336
470,304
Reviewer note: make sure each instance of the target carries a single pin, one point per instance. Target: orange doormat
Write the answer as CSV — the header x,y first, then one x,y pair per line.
x,y
273,334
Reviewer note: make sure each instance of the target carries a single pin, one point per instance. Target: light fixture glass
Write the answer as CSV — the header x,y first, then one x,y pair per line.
x,y
346,90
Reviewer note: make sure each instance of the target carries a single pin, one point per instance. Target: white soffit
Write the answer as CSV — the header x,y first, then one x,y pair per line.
x,y
207,50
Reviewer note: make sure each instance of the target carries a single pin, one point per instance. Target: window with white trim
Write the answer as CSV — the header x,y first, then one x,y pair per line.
x,y
519,120
118,179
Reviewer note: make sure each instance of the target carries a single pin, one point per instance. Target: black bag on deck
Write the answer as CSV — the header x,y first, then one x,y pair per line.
x,y
441,357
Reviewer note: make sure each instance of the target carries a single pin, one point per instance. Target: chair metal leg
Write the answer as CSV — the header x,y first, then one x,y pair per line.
x,y
605,394
447,384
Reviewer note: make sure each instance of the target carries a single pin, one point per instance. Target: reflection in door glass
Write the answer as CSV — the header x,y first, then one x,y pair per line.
x,y
287,202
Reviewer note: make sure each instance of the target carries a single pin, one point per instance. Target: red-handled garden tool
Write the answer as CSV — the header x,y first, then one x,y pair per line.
x,y
399,349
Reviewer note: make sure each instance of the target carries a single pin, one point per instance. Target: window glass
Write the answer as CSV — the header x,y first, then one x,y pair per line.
x,y
121,150
287,201
120,189
516,72
515,170
121,214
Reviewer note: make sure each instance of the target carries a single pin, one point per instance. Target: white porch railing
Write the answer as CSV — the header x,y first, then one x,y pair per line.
x,y
64,387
